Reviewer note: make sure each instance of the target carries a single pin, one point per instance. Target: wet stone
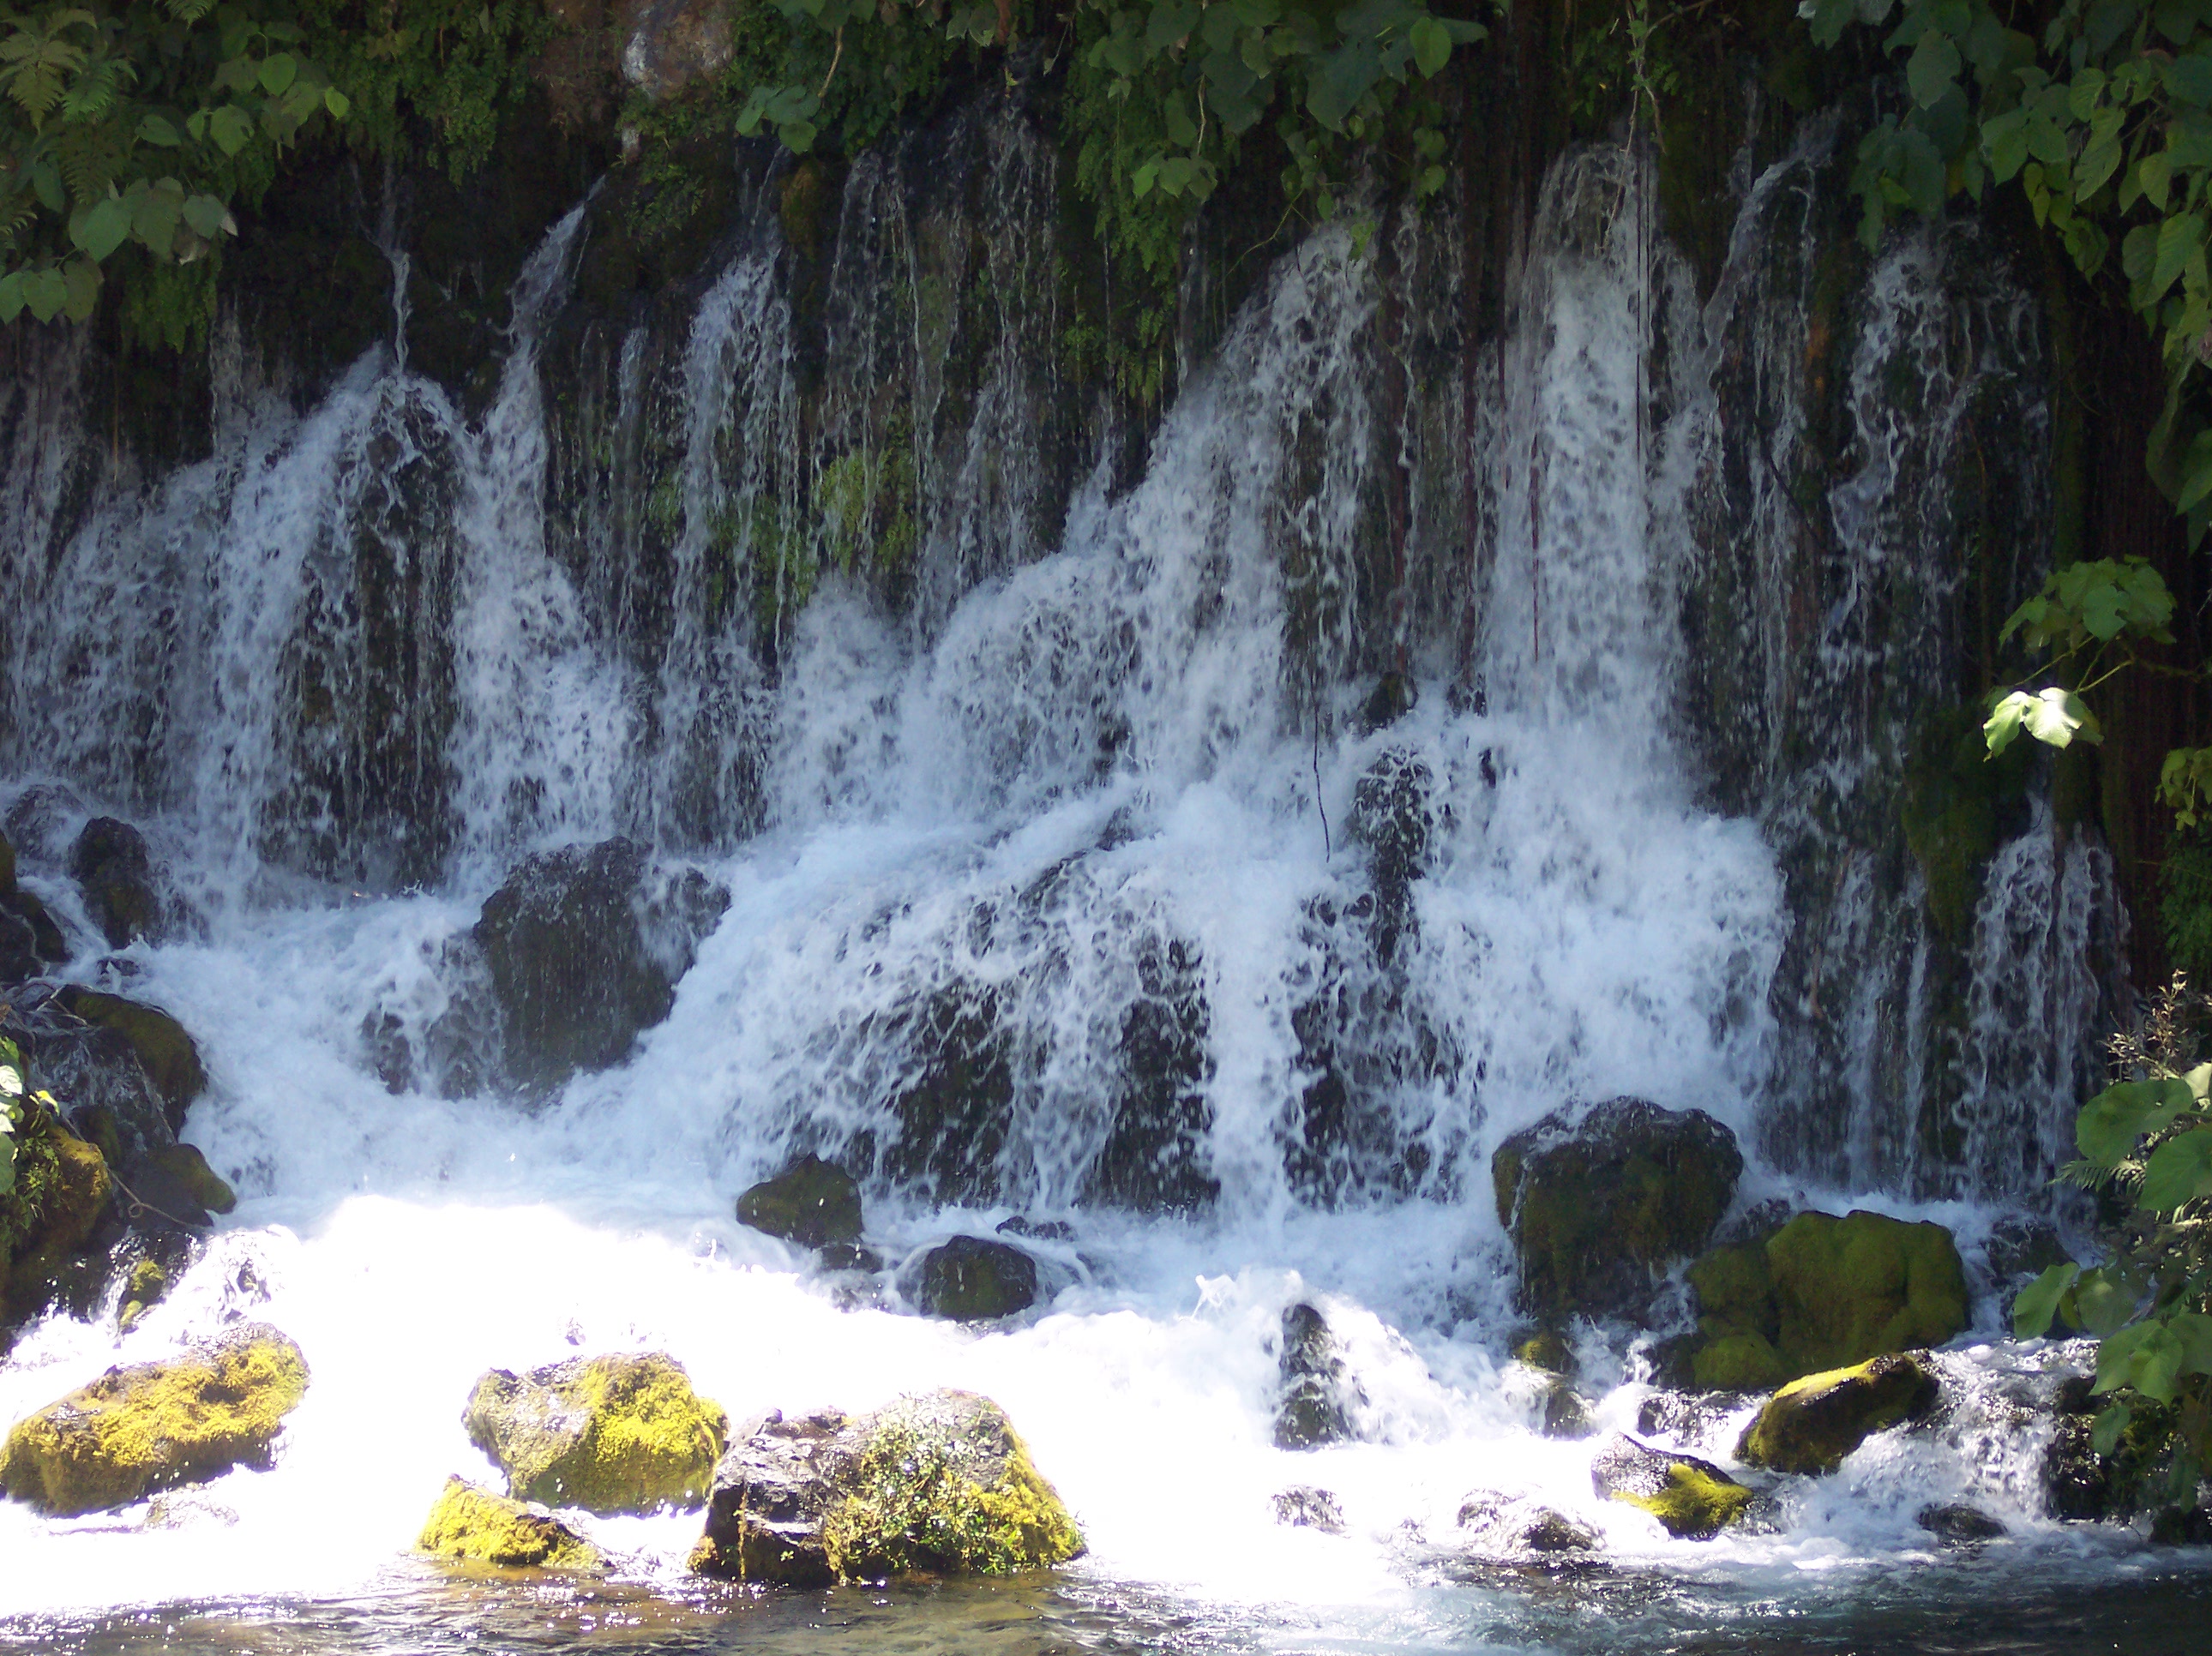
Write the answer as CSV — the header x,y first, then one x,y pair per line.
x,y
1304,1507
1958,1524
813,1203
974,1279
1319,1391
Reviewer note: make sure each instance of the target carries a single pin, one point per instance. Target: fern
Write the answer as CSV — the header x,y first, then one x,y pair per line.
x,y
91,158
38,59
95,91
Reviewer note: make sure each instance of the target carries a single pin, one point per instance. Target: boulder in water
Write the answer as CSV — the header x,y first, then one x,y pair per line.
x,y
1812,1423
94,1071
613,1433
175,1185
1598,1207
954,1096
583,948
155,1425
59,1192
1319,1391
472,1523
939,1484
1693,1499
813,1203
165,1051
974,1278
114,870
1509,1524
1303,1506
1959,1525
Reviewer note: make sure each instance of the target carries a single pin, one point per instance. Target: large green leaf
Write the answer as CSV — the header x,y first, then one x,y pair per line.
x,y
100,229
2112,1122
2038,1304
2146,1358
1932,69
2179,1171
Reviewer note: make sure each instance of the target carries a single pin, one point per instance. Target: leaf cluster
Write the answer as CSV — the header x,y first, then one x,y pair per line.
x,y
2086,620
21,1110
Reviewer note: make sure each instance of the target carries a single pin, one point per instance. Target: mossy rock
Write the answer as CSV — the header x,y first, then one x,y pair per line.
x,y
1693,1499
613,1433
166,1051
156,1425
1741,1362
474,1524
938,1484
812,1202
1547,1349
1811,1424
148,1285
61,1190
177,1180
975,1279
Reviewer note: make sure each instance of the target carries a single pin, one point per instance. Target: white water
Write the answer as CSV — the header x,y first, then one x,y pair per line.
x,y
1585,930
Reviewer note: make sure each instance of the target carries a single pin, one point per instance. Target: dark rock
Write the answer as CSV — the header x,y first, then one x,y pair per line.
x,y
2077,1480
1547,1349
1155,1157
939,1484
2182,1526
1319,1392
30,942
674,43
1693,1499
972,1279
1509,1525
95,1075
1566,1414
584,947
1959,1523
1302,1507
165,1051
1393,696
812,1202
113,868
1811,1424
2083,1485
1390,817
848,1255
1044,1230
1598,1207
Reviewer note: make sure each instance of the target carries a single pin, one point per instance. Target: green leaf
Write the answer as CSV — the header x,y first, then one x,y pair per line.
x,y
44,292
102,229
337,102
798,136
2112,1422
277,70
2105,1301
157,130
154,215
2179,1171
2038,1304
2146,1358
2194,1330
230,127
1171,20
2110,1124
81,281
2005,140
7,1144
206,215
1932,68
11,307
1433,46
2180,239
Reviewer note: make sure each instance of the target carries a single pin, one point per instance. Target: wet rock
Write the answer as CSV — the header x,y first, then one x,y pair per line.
x,y
939,1484
472,1523
1598,1206
167,1053
675,43
146,1286
1959,1525
848,1255
1044,1230
1812,1423
1393,696
583,948
1510,1525
2182,1526
30,942
974,1278
114,870
156,1425
58,1196
1390,817
1155,1158
2083,1485
1547,1349
1303,1506
954,1094
96,1075
1565,1414
812,1202
1693,1499
173,1187
615,1434
1694,1415
1319,1391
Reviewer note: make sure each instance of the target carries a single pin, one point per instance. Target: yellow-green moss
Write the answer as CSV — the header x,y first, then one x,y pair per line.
x,y
1811,1424
919,1508
1741,1362
156,1425
469,1523
166,1051
1547,1349
150,1281
1695,1506
613,1433
188,1167
61,1186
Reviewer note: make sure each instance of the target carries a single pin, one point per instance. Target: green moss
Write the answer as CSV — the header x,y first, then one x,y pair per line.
x,y
189,1169
921,1508
1811,1424
614,1433
2185,908
1547,1349
133,1431
61,1189
166,1051
149,1282
1695,1506
1851,1288
1745,1361
469,1523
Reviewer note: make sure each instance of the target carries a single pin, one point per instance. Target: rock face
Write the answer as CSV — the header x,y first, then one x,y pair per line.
x,y
583,947
1597,1207
1811,1424
151,1427
673,43
469,1523
1693,1499
812,1202
1319,1391
973,1279
613,1433
938,1483
115,871
1823,1293
1960,1526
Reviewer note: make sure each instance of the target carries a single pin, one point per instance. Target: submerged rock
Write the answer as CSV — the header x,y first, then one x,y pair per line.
x,y
939,1484
583,948
1597,1207
1693,1499
1303,1506
1812,1423
156,1425
973,1279
1156,1157
1959,1525
471,1523
613,1433
812,1202
953,1096
96,1073
1319,1391
1567,1413
114,870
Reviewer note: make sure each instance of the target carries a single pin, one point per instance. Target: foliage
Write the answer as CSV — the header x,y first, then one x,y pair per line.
x,y
2148,1139
2089,616
21,1112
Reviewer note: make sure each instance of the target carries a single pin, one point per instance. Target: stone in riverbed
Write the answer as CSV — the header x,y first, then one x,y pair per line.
x,y
1812,1423
1959,1525
1693,1499
974,1279
620,1433
60,1191
1319,1391
166,1051
156,1425
812,1202
1509,1524
471,1523
114,870
1303,1506
937,1484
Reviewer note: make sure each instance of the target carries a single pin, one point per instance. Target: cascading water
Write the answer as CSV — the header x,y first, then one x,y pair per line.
x,y
1108,819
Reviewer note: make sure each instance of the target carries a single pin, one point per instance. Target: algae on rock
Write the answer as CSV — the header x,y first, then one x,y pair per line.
x,y
612,1434
471,1523
1811,1424
134,1431
1693,1499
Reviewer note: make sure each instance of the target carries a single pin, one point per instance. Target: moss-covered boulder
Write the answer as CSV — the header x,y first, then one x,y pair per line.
x,y
617,1434
114,870
1823,1293
60,1191
165,1051
938,1484
1598,1206
975,1279
175,1184
1811,1424
155,1425
473,1524
1693,1499
813,1203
